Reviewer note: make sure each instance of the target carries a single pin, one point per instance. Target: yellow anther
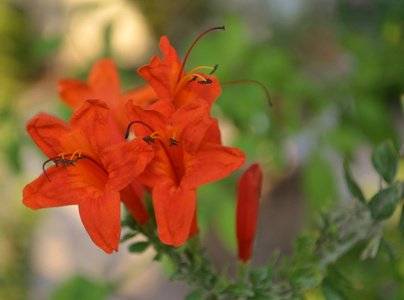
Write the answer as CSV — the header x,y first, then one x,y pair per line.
x,y
154,135
174,135
188,77
74,153
62,155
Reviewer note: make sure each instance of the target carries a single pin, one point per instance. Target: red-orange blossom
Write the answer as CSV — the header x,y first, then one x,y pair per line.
x,y
186,141
88,171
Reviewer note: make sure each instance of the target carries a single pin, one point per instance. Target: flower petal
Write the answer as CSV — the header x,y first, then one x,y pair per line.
x,y
65,184
171,59
41,193
192,120
192,90
101,217
156,74
211,163
174,208
73,92
125,161
49,134
213,134
102,83
152,118
91,122
143,96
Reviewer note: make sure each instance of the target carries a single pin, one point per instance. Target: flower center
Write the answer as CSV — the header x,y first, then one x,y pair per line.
x,y
174,158
192,76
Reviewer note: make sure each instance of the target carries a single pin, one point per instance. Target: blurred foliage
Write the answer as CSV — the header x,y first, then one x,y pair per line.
x,y
80,287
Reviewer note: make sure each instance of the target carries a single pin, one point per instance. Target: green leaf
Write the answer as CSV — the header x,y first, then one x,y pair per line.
x,y
198,294
389,249
383,204
306,278
138,247
128,236
319,180
352,185
331,292
385,160
236,290
259,277
81,288
372,247
158,257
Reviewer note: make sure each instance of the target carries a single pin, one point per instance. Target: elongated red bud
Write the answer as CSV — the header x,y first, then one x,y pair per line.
x,y
248,195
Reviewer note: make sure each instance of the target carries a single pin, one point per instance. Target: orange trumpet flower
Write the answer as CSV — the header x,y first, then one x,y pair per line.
x,y
103,83
184,159
88,171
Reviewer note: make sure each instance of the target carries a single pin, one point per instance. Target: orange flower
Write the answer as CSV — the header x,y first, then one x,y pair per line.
x,y
88,170
249,193
103,83
183,160
173,85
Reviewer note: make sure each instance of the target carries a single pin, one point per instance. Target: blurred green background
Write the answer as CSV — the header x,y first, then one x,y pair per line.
x,y
334,69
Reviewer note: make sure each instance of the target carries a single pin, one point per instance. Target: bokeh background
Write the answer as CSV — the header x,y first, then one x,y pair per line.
x,y
335,70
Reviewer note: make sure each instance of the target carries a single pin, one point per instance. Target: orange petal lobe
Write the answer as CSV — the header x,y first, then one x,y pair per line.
x,y
125,161
155,74
101,217
211,163
48,132
41,193
174,208
91,122
192,120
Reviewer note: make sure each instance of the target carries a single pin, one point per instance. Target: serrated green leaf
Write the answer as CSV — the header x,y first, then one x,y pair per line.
x,y
385,160
138,247
306,278
352,185
383,204
259,277
238,291
372,247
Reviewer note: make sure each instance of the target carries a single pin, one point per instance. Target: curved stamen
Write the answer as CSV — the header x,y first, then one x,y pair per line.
x,y
251,81
194,76
193,44
204,67
65,162
139,122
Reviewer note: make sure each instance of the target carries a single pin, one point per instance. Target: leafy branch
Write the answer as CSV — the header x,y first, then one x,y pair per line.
x,y
315,252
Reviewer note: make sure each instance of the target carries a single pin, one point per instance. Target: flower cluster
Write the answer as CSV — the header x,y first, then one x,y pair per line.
x,y
176,147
